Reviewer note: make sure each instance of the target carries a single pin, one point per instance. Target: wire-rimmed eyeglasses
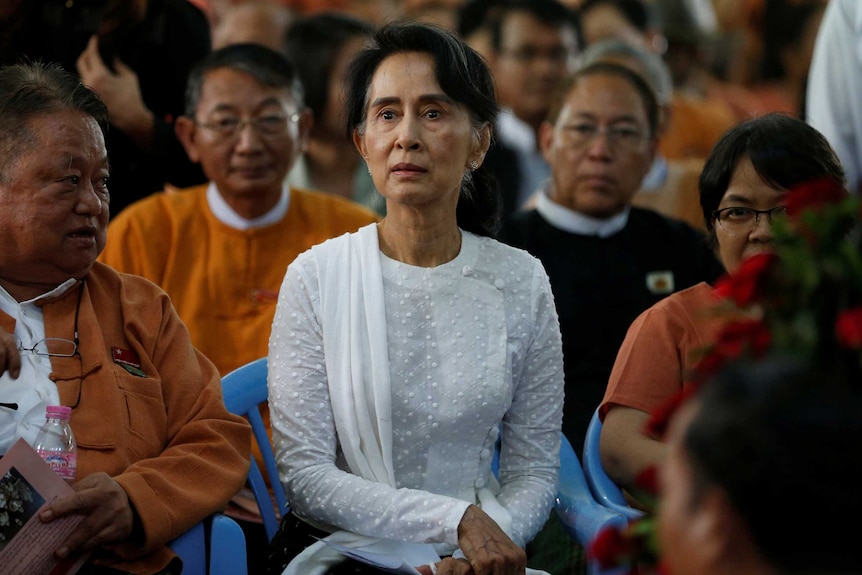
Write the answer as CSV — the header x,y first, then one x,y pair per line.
x,y
269,125
58,347
742,217
620,137
50,347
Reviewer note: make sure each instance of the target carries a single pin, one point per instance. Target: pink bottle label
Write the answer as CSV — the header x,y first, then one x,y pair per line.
x,y
63,464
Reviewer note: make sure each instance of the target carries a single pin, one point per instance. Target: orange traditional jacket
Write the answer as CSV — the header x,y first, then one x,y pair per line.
x,y
166,436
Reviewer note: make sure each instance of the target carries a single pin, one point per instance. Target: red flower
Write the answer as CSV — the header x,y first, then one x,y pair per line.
x,y
747,283
848,328
813,196
610,548
750,335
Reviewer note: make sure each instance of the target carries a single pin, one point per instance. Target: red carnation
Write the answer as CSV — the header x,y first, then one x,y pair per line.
x,y
741,335
610,548
737,337
848,328
813,195
747,283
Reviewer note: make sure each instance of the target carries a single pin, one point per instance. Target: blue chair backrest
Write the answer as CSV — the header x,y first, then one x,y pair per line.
x,y
215,546
602,486
244,390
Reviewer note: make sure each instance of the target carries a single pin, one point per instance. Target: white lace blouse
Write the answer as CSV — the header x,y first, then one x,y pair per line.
x,y
441,327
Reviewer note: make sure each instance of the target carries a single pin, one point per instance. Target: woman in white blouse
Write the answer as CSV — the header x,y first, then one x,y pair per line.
x,y
401,353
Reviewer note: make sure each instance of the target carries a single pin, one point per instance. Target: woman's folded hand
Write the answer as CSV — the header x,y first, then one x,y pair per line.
x,y
487,548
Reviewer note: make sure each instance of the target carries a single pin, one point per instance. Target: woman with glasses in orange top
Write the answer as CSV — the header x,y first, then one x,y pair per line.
x,y
741,190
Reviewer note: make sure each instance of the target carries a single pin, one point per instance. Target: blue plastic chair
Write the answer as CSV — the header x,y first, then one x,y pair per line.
x,y
244,390
601,485
215,546
582,516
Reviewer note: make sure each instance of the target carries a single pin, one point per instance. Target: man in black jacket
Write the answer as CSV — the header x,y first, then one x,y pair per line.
x,y
607,261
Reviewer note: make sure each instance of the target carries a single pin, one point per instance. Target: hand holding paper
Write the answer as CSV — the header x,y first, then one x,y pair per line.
x,y
109,518
27,544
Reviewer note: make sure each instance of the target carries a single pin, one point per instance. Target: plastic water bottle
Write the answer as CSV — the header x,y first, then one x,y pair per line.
x,y
55,442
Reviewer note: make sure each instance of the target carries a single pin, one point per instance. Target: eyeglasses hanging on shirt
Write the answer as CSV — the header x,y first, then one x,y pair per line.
x,y
50,347
57,347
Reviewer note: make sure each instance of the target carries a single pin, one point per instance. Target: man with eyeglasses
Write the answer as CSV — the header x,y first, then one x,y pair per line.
x,y
670,186
221,250
157,450
607,260
533,45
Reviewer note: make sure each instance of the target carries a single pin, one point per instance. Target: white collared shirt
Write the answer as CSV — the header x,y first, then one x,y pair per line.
x,y
33,391
226,214
577,223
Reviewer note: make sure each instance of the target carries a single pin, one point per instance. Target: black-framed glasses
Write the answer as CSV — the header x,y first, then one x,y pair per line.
x,y
268,125
742,217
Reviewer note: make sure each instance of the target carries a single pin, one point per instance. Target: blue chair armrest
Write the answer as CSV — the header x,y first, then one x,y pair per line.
x,y
585,518
191,547
215,546
227,547
600,484
581,515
